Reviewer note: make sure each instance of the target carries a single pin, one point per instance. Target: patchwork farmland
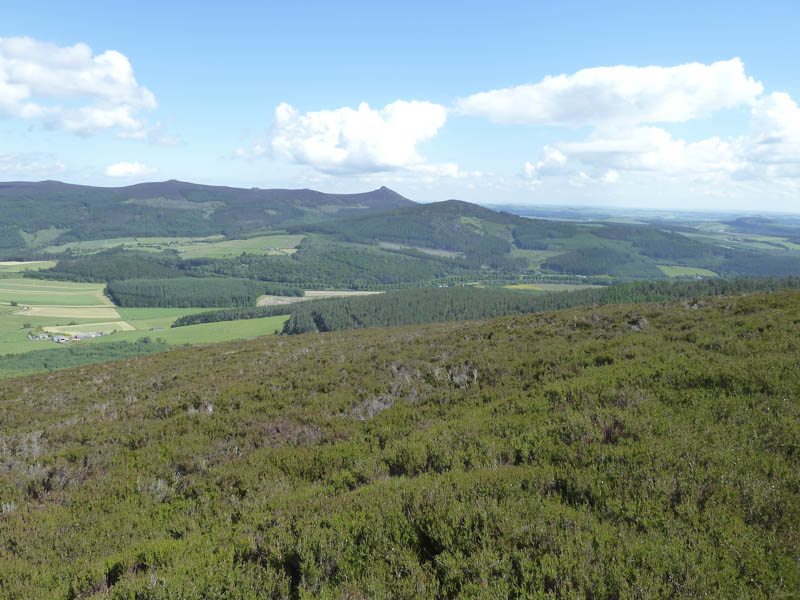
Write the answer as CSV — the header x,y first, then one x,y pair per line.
x,y
32,308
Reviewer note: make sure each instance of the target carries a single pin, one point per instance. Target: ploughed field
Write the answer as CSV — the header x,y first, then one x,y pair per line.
x,y
623,451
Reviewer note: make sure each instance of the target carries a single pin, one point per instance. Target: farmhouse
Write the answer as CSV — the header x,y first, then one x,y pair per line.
x,y
61,339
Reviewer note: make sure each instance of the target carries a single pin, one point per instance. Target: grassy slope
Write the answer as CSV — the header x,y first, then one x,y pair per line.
x,y
208,247
676,271
25,266
204,333
563,454
52,293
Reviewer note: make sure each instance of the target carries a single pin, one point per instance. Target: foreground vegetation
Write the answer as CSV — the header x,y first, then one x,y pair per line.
x,y
36,361
642,451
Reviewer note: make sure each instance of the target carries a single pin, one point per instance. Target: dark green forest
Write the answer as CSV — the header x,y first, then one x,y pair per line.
x,y
169,208
411,307
113,265
617,451
192,291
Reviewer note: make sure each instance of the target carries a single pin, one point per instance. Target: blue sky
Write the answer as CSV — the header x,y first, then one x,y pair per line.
x,y
670,105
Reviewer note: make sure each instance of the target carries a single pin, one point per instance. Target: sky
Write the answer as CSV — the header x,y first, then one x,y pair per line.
x,y
679,105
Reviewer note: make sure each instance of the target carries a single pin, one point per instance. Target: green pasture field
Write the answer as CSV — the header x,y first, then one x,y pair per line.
x,y
283,244
188,247
155,244
19,267
145,318
13,338
52,293
767,241
498,229
676,271
41,237
744,241
548,287
535,258
107,328
204,333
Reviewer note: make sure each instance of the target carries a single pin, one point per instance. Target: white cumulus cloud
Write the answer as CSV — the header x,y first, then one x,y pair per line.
x,y
129,169
69,87
551,162
29,164
629,110
619,95
772,147
357,140
652,149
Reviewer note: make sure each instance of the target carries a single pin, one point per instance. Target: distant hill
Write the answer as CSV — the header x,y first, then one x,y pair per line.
x,y
380,238
168,208
451,226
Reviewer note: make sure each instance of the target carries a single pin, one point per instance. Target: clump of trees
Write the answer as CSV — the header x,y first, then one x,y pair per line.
x,y
113,265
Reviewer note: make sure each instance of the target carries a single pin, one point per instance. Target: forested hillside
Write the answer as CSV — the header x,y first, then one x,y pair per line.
x,y
431,305
633,451
375,240
171,208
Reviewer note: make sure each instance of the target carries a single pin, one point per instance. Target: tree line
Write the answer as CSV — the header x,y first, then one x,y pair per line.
x,y
410,307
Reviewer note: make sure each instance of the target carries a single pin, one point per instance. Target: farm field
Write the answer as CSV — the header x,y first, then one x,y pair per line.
x,y
676,271
154,244
431,251
535,258
201,247
107,328
72,308
204,333
549,287
311,295
744,241
13,338
281,244
144,318
13,333
35,292
20,266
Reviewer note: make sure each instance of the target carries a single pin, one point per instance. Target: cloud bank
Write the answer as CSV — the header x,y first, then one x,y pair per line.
x,y
129,169
70,88
619,96
30,164
347,140
629,110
